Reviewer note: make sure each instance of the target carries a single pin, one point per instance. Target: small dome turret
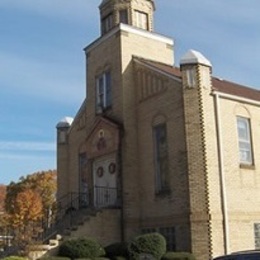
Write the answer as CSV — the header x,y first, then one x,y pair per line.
x,y
62,130
65,122
194,57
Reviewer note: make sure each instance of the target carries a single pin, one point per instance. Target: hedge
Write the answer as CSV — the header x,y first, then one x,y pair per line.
x,y
153,245
14,258
81,248
54,258
116,250
178,256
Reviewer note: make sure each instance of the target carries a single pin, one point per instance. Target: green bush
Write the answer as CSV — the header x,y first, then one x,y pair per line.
x,y
14,258
116,250
119,258
96,258
81,248
178,256
153,244
54,258
83,259
101,258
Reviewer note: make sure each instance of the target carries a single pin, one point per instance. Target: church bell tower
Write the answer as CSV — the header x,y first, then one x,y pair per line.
x,y
138,13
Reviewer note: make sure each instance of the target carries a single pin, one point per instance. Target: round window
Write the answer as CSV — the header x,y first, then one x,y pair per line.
x,y
112,168
100,172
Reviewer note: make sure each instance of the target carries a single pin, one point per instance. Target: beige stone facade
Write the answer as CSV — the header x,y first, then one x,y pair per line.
x,y
168,149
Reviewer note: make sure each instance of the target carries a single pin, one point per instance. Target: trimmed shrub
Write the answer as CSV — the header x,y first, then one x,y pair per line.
x,y
96,258
178,256
153,244
14,258
116,249
83,259
101,258
120,258
54,258
81,248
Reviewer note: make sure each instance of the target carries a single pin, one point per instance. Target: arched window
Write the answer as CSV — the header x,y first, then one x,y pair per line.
x,y
161,158
244,140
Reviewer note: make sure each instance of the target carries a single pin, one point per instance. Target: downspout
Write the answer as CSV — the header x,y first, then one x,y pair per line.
x,y
120,163
222,175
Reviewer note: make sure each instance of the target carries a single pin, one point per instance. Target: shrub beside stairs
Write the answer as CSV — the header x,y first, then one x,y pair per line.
x,y
101,224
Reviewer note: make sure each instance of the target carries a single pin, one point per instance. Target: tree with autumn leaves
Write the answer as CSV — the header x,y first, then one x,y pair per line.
x,y
2,197
27,202
2,205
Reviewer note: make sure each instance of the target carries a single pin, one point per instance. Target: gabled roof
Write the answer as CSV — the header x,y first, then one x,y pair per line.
x,y
235,89
219,85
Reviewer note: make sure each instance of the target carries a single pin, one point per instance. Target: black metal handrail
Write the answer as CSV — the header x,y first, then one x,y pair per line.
x,y
65,215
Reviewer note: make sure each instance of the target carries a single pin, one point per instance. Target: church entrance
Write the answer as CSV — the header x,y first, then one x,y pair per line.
x,y
105,182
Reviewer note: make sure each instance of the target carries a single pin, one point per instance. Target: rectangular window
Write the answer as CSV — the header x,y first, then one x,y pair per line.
x,y
141,20
83,185
169,234
107,23
161,158
257,235
103,91
123,16
244,141
191,78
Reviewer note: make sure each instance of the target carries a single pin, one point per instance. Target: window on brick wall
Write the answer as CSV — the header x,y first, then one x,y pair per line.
x,y
107,23
83,180
257,235
103,92
141,20
167,232
161,159
244,141
123,16
191,78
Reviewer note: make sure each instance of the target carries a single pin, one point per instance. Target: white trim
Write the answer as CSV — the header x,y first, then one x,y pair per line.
x,y
236,98
145,33
154,68
129,29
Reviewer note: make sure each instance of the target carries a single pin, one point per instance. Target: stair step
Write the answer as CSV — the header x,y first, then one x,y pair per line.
x,y
53,242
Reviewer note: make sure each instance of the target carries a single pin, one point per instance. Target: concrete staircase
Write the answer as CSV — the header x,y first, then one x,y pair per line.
x,y
104,225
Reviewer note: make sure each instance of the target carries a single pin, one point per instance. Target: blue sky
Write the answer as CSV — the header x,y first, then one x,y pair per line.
x,y
42,63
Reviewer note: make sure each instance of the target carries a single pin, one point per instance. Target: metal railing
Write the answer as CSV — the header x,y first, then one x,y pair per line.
x,y
68,208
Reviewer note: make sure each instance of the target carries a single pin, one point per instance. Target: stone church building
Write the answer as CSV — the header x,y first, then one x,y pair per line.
x,y
161,147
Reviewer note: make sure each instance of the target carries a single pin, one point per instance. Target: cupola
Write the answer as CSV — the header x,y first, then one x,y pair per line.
x,y
196,70
137,13
62,129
